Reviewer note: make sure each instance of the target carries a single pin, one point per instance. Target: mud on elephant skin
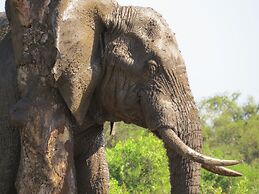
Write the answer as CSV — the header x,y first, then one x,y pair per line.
x,y
107,62
9,134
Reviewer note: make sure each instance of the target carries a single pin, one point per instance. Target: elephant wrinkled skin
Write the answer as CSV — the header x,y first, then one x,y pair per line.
x,y
9,134
81,63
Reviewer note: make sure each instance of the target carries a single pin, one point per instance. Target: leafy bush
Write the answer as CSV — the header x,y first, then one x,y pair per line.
x,y
247,184
139,165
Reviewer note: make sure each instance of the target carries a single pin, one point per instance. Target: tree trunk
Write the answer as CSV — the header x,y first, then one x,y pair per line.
x,y
47,161
9,134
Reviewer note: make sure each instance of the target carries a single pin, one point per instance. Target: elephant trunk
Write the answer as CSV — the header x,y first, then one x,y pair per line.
x,y
173,117
185,159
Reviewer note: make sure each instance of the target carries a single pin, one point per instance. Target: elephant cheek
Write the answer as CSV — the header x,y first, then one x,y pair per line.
x,y
159,112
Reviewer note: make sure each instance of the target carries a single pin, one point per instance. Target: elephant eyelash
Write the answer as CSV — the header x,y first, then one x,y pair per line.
x,y
152,62
151,66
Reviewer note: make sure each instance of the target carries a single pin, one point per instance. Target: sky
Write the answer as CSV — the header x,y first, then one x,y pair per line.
x,y
219,40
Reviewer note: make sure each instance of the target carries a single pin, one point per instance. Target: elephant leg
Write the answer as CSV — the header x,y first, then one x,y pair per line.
x,y
92,172
184,174
9,133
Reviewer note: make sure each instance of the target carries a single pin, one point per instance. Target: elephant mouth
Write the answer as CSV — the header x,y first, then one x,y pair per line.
x,y
214,165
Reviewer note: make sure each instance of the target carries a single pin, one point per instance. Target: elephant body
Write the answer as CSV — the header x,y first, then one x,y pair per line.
x,y
9,134
79,64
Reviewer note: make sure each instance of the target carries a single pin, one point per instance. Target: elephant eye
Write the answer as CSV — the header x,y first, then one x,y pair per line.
x,y
152,63
150,69
152,66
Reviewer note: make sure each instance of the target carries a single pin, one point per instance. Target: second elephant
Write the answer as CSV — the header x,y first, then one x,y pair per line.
x,y
9,134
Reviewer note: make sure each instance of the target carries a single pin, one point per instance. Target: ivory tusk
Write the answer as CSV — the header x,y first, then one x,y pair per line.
x,y
175,143
221,170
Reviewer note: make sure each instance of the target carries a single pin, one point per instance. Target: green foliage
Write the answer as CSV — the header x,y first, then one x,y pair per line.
x,y
139,165
123,132
231,127
115,188
231,130
248,184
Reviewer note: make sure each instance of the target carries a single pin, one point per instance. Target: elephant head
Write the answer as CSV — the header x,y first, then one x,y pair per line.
x,y
129,69
116,63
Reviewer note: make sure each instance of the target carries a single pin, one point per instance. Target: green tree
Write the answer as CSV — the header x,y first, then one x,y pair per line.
x,y
231,127
231,130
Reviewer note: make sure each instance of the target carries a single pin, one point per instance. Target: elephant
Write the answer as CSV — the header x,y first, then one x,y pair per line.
x,y
98,61
9,133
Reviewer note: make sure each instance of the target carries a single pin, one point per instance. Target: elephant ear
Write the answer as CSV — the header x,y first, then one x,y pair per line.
x,y
77,69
